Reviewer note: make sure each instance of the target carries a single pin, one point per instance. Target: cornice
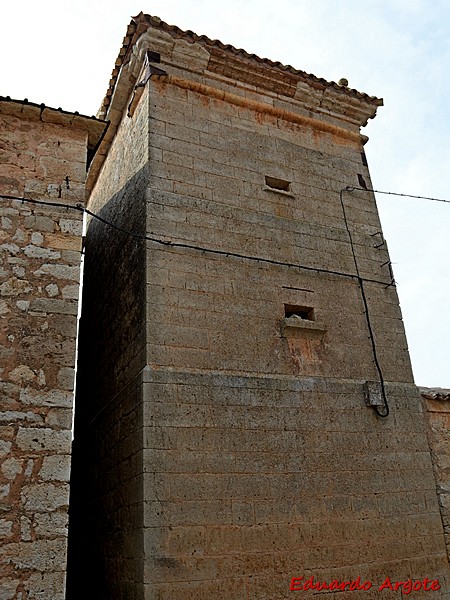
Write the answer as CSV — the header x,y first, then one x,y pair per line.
x,y
236,64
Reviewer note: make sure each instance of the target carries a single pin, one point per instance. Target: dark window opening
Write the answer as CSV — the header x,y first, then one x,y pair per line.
x,y
277,184
304,312
153,57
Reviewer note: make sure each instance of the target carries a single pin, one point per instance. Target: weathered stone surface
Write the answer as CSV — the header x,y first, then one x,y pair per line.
x,y
22,374
13,417
26,534
5,528
47,398
63,272
70,292
37,439
39,257
52,289
15,287
52,524
436,403
8,589
5,447
53,306
44,497
59,418
43,586
11,468
37,238
66,377
38,252
42,555
72,226
55,468
229,453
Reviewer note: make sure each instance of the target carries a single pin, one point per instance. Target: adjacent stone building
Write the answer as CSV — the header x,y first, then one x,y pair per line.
x,y
437,414
43,160
246,412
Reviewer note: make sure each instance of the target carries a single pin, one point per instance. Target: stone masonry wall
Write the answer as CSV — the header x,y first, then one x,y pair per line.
x,y
106,500
39,285
437,412
241,453
261,460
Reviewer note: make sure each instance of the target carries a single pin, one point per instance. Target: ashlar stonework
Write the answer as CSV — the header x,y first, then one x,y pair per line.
x,y
437,412
223,440
247,424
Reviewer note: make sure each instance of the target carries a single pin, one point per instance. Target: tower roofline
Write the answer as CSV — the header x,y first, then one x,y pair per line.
x,y
234,75
142,22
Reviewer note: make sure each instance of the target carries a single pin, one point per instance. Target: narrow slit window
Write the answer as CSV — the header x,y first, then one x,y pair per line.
x,y
304,312
278,184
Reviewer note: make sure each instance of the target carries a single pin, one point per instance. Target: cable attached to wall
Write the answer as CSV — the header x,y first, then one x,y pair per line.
x,y
358,277
366,307
204,249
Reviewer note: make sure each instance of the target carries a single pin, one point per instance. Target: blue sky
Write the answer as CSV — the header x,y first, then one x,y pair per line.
x,y
62,53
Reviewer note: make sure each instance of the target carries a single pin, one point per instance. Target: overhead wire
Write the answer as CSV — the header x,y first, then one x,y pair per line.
x,y
215,251
205,249
366,307
360,189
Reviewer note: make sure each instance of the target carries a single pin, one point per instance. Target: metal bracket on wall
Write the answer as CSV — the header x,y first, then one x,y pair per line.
x,y
150,57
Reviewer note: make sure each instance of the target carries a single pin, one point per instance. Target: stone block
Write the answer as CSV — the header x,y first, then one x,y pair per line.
x,y
32,440
53,398
64,307
22,374
64,272
9,588
39,252
55,468
64,241
59,418
11,468
5,447
51,524
15,287
47,585
39,555
45,497
39,223
5,528
13,417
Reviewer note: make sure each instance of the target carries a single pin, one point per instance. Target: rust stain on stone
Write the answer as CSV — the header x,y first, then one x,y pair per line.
x,y
262,108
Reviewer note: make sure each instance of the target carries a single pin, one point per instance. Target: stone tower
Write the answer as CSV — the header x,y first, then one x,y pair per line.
x,y
241,348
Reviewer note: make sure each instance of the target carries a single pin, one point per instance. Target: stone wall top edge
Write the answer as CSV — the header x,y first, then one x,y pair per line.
x,y
41,113
440,394
218,56
160,51
221,68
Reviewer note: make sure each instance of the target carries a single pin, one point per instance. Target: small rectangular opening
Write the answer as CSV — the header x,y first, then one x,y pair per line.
x,y
364,159
304,312
278,184
153,57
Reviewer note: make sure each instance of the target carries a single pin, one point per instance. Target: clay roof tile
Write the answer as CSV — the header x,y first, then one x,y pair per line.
x,y
141,22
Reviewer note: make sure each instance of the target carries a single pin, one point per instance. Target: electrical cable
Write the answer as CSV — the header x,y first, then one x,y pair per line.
x,y
358,277
205,249
360,189
366,307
